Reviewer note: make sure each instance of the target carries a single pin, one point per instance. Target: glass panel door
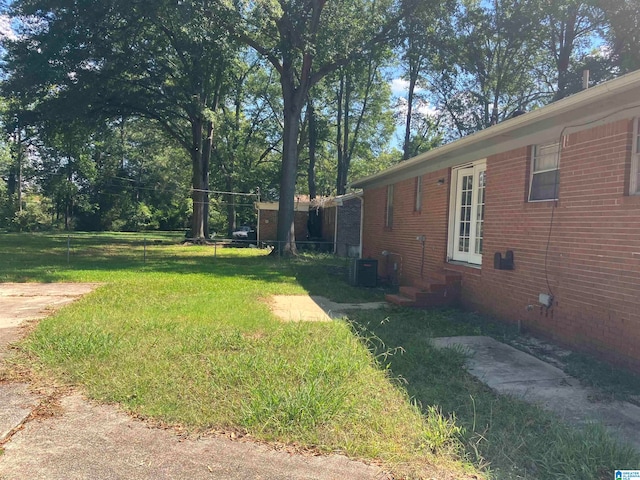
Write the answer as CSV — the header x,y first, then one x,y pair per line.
x,y
469,214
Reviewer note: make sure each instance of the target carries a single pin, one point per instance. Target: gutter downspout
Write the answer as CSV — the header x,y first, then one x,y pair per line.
x,y
258,228
335,233
361,198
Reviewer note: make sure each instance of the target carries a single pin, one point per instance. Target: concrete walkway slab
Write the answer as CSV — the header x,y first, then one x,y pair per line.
x,y
297,308
89,441
513,372
340,310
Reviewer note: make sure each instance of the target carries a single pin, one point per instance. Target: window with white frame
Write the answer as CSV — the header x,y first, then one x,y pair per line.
x,y
634,183
418,202
388,221
545,173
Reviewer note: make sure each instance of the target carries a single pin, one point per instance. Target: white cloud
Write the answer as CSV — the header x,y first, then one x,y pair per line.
x,y
6,31
400,87
426,109
421,108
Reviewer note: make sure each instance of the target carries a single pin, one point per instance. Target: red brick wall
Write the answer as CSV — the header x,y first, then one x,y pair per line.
x,y
400,240
269,225
593,261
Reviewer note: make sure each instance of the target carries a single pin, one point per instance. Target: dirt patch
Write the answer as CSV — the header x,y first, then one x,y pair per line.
x,y
297,308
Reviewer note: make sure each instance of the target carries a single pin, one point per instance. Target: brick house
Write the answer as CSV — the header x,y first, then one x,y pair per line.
x,y
341,223
267,229
535,221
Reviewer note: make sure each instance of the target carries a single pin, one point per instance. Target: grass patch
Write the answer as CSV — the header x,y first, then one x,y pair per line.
x,y
514,440
615,383
184,337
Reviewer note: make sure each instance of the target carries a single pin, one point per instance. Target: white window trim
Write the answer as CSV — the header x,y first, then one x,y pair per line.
x,y
472,259
532,165
634,188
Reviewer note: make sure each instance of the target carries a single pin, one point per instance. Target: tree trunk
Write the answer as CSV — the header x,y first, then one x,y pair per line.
x,y
207,147
343,170
566,40
199,193
413,79
313,142
292,114
231,205
339,142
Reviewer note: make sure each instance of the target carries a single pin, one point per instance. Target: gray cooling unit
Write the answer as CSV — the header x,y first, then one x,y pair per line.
x,y
363,272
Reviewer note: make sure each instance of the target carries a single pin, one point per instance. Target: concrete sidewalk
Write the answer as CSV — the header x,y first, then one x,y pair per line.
x,y
305,308
510,371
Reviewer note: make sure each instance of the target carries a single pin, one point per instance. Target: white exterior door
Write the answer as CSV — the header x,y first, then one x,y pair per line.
x,y
467,222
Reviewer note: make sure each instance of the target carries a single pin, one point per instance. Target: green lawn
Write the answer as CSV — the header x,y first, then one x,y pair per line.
x,y
183,335
187,338
513,439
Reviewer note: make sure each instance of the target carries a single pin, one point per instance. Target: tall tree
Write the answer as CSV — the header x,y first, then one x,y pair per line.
x,y
249,133
571,29
163,60
305,40
623,18
362,119
426,34
488,73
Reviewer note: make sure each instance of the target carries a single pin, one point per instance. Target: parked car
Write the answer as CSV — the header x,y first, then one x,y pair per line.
x,y
245,236
243,233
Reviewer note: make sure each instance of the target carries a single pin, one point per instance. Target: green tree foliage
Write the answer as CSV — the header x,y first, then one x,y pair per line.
x,y
623,19
350,120
305,40
247,152
364,122
117,112
570,30
488,71
426,35
162,60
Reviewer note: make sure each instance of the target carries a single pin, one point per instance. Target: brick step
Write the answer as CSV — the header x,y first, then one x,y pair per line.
x,y
450,277
399,300
416,293
424,287
423,299
435,279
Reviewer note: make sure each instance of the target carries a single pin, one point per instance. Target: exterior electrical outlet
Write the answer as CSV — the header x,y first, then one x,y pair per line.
x,y
545,300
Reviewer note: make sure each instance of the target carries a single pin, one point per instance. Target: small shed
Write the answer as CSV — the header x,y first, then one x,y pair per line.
x,y
267,228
